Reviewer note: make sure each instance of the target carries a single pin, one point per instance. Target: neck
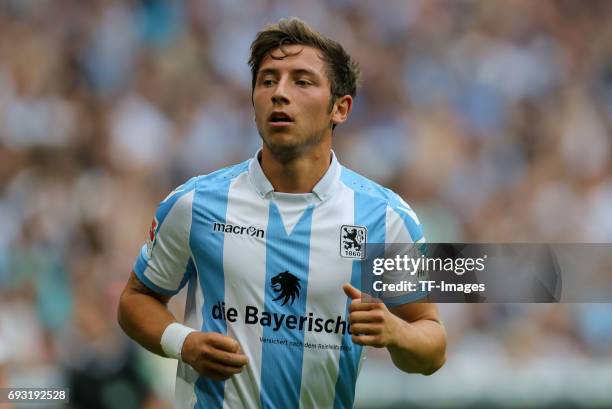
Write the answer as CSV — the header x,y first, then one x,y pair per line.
x,y
299,175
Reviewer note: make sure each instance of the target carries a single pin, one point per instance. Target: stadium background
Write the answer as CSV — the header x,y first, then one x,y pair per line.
x,y
492,118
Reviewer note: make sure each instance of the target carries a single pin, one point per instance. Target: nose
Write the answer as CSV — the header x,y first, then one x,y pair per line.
x,y
280,96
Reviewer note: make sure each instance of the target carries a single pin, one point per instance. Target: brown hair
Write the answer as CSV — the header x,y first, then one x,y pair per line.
x,y
342,70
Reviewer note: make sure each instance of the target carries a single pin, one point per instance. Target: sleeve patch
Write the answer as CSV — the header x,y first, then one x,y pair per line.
x,y
152,237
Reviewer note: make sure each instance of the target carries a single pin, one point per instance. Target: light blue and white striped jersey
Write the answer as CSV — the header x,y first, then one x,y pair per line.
x,y
267,269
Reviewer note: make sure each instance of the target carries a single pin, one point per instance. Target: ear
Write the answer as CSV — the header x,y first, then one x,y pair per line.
x,y
341,109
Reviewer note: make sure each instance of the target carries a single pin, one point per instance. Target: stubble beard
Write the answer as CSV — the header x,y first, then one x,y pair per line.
x,y
285,153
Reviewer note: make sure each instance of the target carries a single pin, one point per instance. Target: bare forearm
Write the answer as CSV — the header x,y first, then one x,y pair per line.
x,y
420,346
144,319
144,315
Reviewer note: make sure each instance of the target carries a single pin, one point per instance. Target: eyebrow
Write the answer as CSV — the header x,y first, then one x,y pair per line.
x,y
298,71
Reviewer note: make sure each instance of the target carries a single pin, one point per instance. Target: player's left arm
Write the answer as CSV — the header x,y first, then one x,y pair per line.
x,y
412,333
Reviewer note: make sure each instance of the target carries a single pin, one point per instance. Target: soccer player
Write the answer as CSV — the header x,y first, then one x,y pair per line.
x,y
270,251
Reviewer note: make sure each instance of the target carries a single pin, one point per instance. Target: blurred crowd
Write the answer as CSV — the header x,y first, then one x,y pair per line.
x,y
493,119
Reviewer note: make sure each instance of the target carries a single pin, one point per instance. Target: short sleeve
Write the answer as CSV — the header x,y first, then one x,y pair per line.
x,y
404,237
164,263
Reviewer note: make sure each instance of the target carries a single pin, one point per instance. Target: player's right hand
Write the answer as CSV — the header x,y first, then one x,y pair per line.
x,y
213,355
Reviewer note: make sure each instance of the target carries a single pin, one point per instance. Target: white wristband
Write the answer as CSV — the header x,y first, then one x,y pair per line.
x,y
173,338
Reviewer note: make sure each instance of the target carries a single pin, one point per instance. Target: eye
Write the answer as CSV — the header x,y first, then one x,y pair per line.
x,y
302,83
267,82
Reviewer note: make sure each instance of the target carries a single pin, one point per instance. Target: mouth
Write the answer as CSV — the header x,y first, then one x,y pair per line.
x,y
278,119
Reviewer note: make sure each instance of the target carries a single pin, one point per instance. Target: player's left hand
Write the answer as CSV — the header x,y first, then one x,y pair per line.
x,y
372,323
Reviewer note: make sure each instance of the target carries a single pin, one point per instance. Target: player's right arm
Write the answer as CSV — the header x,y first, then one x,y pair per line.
x,y
163,267
144,316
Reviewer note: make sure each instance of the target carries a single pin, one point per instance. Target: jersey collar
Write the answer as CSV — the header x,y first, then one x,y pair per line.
x,y
322,190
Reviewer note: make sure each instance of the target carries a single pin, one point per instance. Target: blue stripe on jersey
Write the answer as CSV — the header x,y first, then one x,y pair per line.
x,y
370,212
281,368
210,206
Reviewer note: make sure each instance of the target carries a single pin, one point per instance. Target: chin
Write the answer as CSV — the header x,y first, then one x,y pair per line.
x,y
284,150
286,141
286,146
281,140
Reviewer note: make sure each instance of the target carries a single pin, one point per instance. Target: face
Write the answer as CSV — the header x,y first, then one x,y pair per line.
x,y
291,99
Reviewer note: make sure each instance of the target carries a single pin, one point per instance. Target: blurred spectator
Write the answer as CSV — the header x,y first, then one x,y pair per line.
x,y
3,376
103,369
493,119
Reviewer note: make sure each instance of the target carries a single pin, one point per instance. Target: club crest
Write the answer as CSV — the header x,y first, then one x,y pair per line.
x,y
353,241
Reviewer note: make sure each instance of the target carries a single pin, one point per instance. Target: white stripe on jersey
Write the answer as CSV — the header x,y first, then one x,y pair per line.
x,y
326,279
396,232
245,208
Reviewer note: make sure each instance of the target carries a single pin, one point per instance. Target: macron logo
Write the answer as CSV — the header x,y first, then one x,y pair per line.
x,y
235,229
